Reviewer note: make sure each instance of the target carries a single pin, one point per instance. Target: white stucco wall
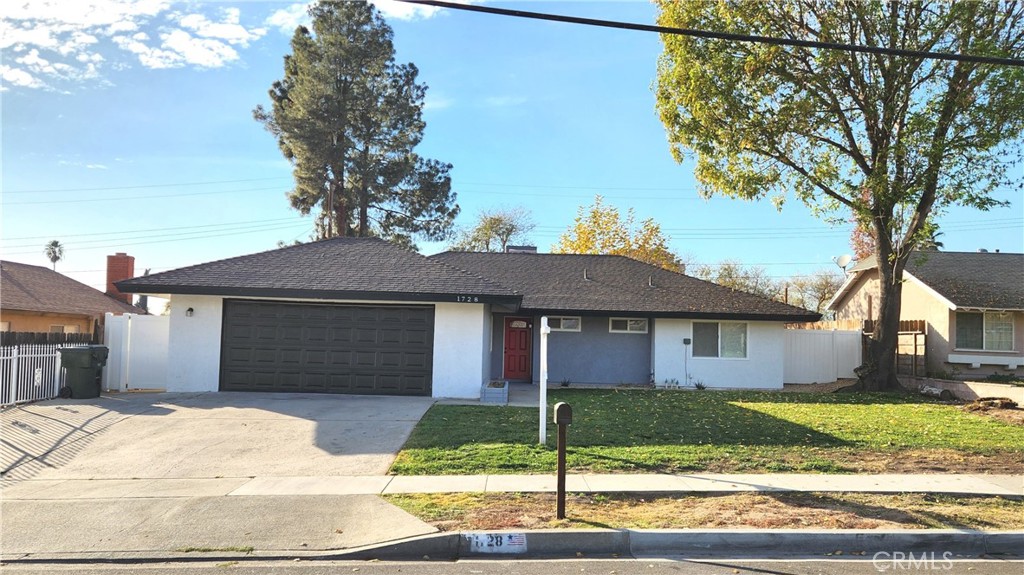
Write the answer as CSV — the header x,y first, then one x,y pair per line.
x,y
761,369
461,341
193,344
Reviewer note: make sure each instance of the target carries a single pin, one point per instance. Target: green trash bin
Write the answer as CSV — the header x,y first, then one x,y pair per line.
x,y
83,370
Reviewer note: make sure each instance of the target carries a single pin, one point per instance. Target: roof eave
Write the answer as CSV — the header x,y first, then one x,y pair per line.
x,y
746,316
293,293
844,290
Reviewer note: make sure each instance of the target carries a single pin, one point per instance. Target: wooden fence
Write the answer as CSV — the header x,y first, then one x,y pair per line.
x,y
11,338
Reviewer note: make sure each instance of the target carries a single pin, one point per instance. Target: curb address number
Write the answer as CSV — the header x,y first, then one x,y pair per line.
x,y
496,542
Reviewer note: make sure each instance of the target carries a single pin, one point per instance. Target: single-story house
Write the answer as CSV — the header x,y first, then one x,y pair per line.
x,y
973,303
38,299
359,315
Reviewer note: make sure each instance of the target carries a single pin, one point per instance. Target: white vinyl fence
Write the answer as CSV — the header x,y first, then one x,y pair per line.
x,y
30,372
820,356
138,351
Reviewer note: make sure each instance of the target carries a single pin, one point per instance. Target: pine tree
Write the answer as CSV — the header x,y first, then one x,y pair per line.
x,y
348,118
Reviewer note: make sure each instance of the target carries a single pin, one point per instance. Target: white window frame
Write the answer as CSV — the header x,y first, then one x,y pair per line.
x,y
628,320
984,332
746,340
561,319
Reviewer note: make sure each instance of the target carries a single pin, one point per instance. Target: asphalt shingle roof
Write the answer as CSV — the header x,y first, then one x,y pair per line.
x,y
26,287
556,283
339,268
985,280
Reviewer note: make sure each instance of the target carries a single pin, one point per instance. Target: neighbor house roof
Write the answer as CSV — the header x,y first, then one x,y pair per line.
x,y
572,283
972,280
31,288
338,268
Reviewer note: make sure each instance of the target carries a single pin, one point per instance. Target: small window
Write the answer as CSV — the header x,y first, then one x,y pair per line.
x,y
720,339
564,323
989,331
627,325
63,329
5,326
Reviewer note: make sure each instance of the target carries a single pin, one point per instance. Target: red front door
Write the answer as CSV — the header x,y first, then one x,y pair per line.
x,y
518,349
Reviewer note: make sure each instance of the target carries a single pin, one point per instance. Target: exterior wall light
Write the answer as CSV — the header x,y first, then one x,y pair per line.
x,y
189,312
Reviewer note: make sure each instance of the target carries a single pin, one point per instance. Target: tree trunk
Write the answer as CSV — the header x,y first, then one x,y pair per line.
x,y
885,337
364,196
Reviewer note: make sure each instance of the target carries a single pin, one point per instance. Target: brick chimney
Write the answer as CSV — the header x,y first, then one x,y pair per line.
x,y
120,266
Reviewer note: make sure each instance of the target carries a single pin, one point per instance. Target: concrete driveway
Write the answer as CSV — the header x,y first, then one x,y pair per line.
x,y
141,473
206,435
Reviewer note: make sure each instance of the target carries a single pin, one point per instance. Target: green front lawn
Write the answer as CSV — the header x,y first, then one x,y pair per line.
x,y
716,431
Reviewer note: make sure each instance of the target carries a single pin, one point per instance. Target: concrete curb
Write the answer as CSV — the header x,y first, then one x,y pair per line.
x,y
565,543
605,543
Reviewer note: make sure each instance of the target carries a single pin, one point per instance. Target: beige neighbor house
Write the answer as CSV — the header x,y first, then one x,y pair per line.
x,y
973,303
39,300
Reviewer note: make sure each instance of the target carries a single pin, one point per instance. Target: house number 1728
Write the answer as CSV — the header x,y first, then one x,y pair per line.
x,y
467,299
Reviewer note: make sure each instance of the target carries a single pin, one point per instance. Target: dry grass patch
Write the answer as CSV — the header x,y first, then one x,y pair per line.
x,y
476,511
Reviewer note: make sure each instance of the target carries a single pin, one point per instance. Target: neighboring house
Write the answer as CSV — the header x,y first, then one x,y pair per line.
x,y
973,303
359,315
38,299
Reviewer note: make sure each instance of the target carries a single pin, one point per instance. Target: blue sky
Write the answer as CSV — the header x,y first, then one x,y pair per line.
x,y
127,126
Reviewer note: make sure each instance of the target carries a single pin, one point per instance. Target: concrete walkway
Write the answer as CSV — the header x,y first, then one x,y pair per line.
x,y
71,489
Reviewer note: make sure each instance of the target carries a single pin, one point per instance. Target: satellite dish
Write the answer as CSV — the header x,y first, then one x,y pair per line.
x,y
843,260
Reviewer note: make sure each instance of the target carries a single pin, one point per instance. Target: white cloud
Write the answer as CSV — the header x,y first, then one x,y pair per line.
x,y
203,52
96,167
50,42
16,77
437,102
403,11
228,30
504,101
287,19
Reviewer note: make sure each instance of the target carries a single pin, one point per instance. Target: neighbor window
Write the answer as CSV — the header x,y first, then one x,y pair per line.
x,y
627,325
63,329
989,331
564,323
719,339
5,326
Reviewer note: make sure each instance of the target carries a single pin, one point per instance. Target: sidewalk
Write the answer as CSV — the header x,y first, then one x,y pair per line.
x,y
69,489
341,517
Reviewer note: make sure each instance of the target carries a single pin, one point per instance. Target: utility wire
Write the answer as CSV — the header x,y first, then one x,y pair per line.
x,y
109,188
120,197
723,35
150,230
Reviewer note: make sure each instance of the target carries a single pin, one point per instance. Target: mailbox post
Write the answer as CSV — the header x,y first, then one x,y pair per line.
x,y
563,417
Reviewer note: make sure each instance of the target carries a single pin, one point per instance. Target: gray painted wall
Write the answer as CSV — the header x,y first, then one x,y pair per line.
x,y
592,355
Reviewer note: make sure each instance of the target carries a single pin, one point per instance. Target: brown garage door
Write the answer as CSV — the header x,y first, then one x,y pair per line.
x,y
379,350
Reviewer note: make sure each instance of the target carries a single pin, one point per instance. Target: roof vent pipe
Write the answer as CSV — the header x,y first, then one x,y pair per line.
x,y
650,281
586,276
982,251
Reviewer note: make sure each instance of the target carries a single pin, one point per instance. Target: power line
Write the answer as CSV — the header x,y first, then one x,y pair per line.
x,y
120,197
216,234
722,35
140,186
150,230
